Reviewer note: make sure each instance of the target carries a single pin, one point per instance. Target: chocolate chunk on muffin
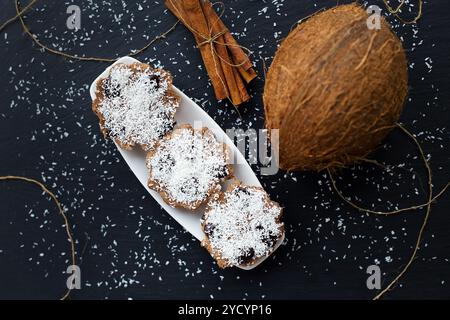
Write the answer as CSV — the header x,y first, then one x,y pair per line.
x,y
241,225
187,166
136,105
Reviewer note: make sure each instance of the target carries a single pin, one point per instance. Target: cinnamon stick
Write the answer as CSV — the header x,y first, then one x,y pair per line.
x,y
226,63
232,44
241,86
222,52
191,14
247,75
239,57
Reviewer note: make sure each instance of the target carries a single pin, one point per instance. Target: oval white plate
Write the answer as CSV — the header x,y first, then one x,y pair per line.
x,y
188,112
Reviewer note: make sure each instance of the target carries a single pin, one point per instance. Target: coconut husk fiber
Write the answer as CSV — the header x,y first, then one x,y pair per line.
x,y
335,89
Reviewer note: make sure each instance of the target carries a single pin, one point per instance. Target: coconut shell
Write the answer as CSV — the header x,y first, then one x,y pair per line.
x,y
335,89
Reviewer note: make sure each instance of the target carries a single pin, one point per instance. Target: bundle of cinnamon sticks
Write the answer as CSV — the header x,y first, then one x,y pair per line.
x,y
226,62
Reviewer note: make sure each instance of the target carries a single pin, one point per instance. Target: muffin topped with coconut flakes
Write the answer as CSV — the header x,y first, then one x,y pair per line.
x,y
136,105
241,225
187,166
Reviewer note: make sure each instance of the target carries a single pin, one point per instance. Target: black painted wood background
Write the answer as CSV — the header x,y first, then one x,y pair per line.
x,y
135,250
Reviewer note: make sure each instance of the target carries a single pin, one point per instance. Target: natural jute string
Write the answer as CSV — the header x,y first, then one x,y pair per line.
x,y
20,12
61,212
210,39
19,15
427,204
396,11
25,9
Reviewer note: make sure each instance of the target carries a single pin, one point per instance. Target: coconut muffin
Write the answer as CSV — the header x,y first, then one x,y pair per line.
x,y
136,105
241,225
187,166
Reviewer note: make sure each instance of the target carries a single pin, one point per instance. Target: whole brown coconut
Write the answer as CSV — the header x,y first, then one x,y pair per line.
x,y
334,89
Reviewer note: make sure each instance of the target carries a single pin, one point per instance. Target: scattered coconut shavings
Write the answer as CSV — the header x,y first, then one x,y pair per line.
x,y
242,225
43,99
187,165
135,105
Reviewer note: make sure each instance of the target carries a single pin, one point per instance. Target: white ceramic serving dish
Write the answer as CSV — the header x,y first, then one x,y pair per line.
x,y
188,112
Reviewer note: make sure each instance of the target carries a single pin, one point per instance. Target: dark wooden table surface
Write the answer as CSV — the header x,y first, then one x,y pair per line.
x,y
135,250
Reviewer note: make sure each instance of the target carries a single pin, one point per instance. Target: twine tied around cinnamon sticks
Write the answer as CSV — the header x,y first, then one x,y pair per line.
x,y
226,62
212,39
